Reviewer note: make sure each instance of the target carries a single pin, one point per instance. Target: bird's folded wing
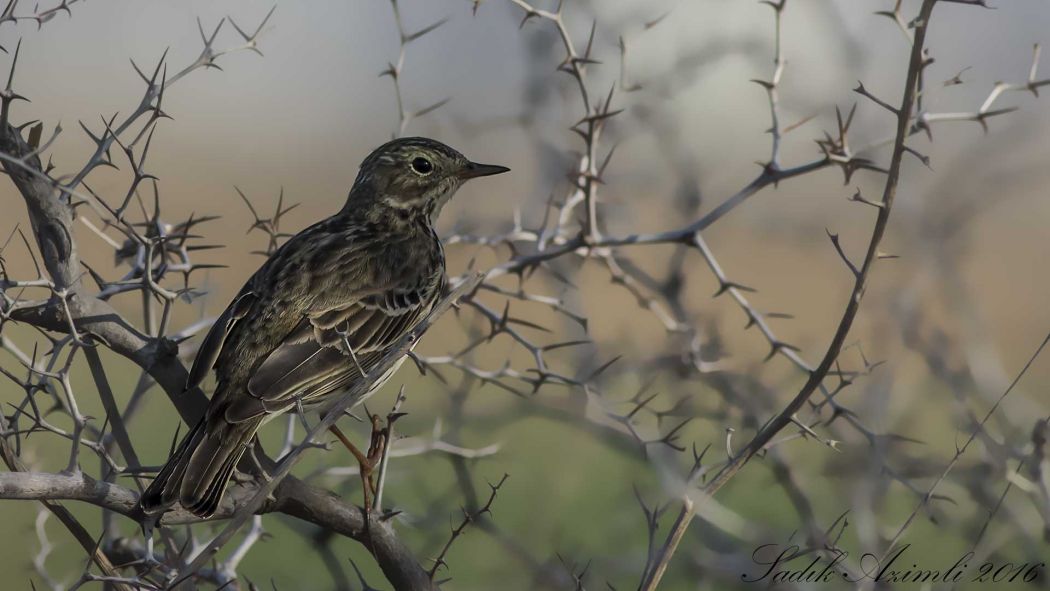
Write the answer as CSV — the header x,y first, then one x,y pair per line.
x,y
213,342
330,349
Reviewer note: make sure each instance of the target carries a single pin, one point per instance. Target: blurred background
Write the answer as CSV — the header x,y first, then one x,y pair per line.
x,y
951,320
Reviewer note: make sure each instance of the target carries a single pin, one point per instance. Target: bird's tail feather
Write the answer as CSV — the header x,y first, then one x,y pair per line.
x,y
163,491
198,472
211,464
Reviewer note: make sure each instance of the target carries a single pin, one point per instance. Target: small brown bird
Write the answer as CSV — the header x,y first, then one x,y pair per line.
x,y
320,312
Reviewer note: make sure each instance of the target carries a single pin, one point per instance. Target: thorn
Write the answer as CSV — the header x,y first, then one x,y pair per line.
x,y
405,40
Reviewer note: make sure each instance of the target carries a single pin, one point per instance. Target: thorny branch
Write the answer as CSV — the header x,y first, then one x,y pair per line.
x,y
76,321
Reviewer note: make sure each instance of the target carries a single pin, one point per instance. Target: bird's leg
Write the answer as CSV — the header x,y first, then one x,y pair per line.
x,y
362,462
367,461
376,445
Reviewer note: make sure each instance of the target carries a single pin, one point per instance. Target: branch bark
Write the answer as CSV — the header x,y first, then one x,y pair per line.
x,y
291,497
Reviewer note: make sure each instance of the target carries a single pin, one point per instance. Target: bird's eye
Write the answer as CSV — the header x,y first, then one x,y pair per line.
x,y
422,165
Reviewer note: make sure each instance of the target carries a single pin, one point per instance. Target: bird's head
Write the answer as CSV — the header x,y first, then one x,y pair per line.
x,y
415,175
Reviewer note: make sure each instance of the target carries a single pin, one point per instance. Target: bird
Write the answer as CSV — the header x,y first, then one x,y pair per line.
x,y
323,309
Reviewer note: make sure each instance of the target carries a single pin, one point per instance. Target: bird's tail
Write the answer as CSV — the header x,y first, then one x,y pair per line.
x,y
197,473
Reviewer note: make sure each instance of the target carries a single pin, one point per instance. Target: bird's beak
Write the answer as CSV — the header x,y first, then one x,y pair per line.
x,y
474,170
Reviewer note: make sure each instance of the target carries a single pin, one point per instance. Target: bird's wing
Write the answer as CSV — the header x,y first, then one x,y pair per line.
x,y
212,346
331,348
